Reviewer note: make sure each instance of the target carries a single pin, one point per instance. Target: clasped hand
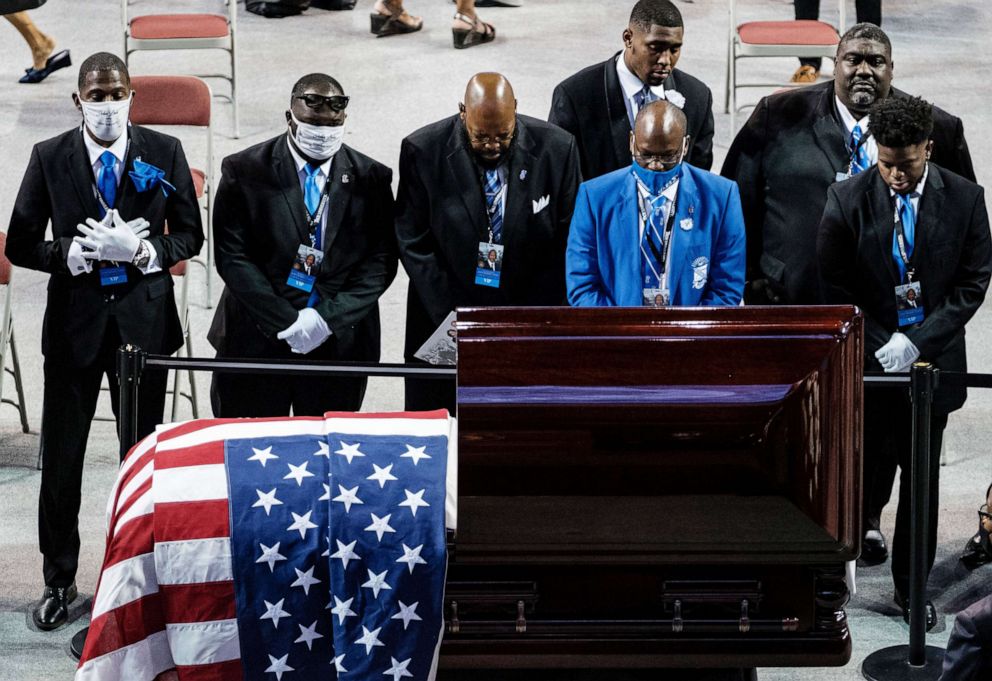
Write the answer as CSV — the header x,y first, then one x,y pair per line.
x,y
898,354
112,238
306,333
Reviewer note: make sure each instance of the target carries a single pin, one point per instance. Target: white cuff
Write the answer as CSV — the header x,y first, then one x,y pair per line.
x,y
75,261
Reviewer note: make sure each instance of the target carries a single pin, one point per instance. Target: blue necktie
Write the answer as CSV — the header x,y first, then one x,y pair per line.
x,y
311,196
907,216
859,154
642,98
494,205
106,181
650,263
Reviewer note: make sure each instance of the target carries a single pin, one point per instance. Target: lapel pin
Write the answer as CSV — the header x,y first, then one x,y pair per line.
x,y
686,224
344,179
523,174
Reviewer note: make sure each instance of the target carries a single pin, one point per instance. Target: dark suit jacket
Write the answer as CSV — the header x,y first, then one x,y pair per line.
x,y
590,105
952,258
441,218
784,158
259,224
969,650
58,188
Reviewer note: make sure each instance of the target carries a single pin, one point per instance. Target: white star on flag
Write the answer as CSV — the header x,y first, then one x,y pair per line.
x,y
274,612
380,525
262,455
301,523
349,451
278,666
306,579
326,496
338,666
382,475
411,557
414,501
407,613
415,453
308,635
270,555
343,609
345,552
298,473
377,582
398,670
327,551
266,500
370,639
348,497
323,451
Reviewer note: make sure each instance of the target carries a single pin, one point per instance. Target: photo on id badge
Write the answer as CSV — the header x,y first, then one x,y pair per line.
x,y
909,303
303,273
488,265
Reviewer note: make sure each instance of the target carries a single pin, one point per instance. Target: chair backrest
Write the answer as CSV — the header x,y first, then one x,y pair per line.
x,y
841,22
232,13
170,100
5,267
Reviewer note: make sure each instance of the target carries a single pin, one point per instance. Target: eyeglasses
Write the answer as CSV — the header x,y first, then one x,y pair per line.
x,y
983,513
335,102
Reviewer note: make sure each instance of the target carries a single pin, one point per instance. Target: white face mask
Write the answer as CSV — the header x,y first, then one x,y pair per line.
x,y
106,120
318,141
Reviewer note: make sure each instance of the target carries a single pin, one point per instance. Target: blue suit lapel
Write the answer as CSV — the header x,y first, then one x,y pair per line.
x,y
685,209
624,238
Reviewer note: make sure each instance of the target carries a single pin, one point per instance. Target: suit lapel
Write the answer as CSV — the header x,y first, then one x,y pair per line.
x,y
81,172
928,217
685,208
883,225
127,193
518,178
616,110
464,177
625,240
288,180
828,134
339,196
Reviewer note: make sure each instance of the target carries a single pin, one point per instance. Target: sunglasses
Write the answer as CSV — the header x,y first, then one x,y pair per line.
x,y
983,512
335,102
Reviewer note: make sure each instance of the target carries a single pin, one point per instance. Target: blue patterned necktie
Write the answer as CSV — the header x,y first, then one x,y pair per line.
x,y
494,204
106,182
652,240
859,154
907,216
642,98
311,196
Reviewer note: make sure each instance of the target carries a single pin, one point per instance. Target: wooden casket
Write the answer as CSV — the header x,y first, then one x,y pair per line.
x,y
645,488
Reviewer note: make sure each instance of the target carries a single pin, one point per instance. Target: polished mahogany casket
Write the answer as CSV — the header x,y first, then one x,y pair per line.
x,y
655,488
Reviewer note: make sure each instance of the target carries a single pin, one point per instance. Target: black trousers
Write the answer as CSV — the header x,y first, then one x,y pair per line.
x,y
869,11
888,444
69,404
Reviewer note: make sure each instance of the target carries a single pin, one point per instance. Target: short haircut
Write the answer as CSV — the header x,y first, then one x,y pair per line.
x,y
866,31
648,13
101,61
896,122
312,79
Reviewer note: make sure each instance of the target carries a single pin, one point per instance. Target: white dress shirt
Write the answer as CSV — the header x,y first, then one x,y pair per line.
x,y
75,261
323,172
849,122
630,84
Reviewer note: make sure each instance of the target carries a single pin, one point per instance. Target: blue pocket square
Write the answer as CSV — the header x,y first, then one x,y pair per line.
x,y
146,177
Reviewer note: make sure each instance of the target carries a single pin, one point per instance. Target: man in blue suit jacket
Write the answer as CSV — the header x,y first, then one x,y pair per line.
x,y
628,247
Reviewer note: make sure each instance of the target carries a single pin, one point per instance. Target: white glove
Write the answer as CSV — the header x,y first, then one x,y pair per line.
x,y
898,354
117,241
307,332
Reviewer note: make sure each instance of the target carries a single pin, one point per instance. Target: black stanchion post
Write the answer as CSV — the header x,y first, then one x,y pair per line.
x,y
917,661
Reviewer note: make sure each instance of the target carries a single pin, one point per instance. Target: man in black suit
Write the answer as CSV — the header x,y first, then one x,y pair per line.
x,y
598,104
969,650
906,224
109,285
484,179
301,190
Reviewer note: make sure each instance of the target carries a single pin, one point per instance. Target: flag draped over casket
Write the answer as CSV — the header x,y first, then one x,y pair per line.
x,y
288,548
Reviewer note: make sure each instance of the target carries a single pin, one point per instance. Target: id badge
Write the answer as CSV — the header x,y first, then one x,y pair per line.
x,y
488,264
303,274
909,303
654,297
112,275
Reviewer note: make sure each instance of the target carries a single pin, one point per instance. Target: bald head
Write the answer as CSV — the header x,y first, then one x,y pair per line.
x,y
659,135
489,113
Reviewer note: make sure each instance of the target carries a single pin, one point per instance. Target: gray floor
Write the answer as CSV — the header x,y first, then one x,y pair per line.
x,y
398,84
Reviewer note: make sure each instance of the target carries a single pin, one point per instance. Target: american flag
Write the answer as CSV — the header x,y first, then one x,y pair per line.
x,y
291,548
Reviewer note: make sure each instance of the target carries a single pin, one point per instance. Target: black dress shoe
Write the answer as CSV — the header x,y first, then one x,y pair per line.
x,y
873,549
976,552
903,604
57,61
53,610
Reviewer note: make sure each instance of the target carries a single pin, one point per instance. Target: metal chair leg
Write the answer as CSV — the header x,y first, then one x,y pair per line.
x,y
18,385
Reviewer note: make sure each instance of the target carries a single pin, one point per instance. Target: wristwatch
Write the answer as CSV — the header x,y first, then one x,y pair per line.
x,y
142,256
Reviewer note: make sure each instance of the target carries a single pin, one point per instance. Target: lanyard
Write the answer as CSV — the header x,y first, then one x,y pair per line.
x,y
661,257
313,221
901,244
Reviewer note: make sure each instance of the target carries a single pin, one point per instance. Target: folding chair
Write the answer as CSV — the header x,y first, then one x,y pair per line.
x,y
182,100
181,270
186,32
7,339
795,38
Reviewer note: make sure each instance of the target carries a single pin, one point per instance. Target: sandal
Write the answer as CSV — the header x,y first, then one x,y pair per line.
x,y
471,37
392,24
